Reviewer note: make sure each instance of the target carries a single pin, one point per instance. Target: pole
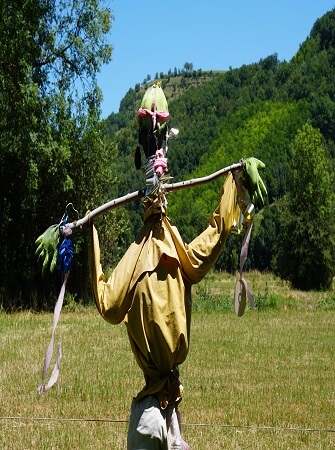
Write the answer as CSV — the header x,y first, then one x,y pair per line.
x,y
141,193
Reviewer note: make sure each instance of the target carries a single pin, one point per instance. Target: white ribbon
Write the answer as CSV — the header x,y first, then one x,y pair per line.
x,y
55,373
242,291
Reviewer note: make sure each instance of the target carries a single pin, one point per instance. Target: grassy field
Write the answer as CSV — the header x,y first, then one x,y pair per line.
x,y
263,381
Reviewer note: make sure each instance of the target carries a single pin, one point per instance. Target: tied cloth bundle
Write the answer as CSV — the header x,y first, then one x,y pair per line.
x,y
65,254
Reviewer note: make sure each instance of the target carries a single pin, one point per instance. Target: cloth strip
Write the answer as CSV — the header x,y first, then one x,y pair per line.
x,y
242,292
48,356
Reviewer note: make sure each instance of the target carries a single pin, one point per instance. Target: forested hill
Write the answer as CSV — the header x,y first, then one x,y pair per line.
x,y
255,110
206,102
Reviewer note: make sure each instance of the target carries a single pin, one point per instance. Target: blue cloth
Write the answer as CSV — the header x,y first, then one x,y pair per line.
x,y
65,255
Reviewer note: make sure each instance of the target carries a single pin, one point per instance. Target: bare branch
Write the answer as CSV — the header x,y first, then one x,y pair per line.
x,y
141,193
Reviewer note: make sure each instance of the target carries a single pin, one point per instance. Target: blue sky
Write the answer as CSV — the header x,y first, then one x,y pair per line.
x,y
150,37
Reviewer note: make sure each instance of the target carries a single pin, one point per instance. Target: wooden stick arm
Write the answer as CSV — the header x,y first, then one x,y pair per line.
x,y
203,180
141,193
105,208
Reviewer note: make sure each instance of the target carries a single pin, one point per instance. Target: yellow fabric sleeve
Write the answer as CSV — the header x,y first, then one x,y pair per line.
x,y
111,297
198,257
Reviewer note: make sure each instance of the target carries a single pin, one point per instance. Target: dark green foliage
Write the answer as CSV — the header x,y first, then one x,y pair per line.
x,y
324,31
50,134
263,244
306,244
312,74
263,130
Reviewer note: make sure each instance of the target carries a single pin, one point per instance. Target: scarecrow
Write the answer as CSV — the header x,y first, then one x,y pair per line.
x,y
150,289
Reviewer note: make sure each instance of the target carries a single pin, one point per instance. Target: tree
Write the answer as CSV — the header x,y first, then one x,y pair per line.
x,y
306,242
264,237
188,67
324,30
50,54
147,79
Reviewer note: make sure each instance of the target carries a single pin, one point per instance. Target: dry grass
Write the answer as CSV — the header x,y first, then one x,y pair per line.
x,y
272,368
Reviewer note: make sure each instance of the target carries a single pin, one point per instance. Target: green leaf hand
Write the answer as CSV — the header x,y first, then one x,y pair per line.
x,y
47,247
252,181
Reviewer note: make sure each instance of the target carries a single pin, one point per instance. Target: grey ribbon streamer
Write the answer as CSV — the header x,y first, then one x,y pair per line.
x,y
48,356
242,292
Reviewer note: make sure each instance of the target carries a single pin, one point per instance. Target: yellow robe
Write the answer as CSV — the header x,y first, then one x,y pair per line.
x,y
150,290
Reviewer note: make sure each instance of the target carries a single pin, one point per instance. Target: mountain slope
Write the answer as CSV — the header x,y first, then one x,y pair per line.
x,y
255,110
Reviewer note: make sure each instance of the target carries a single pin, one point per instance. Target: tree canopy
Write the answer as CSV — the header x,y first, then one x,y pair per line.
x,y
306,243
50,133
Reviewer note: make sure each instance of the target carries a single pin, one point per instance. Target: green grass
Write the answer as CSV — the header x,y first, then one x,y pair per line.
x,y
271,368
216,291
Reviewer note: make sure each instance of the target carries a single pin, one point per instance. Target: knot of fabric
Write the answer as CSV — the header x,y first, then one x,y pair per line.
x,y
171,392
155,115
65,249
160,163
65,255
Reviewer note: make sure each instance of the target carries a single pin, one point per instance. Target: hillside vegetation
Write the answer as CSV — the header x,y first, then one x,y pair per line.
x,y
271,110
